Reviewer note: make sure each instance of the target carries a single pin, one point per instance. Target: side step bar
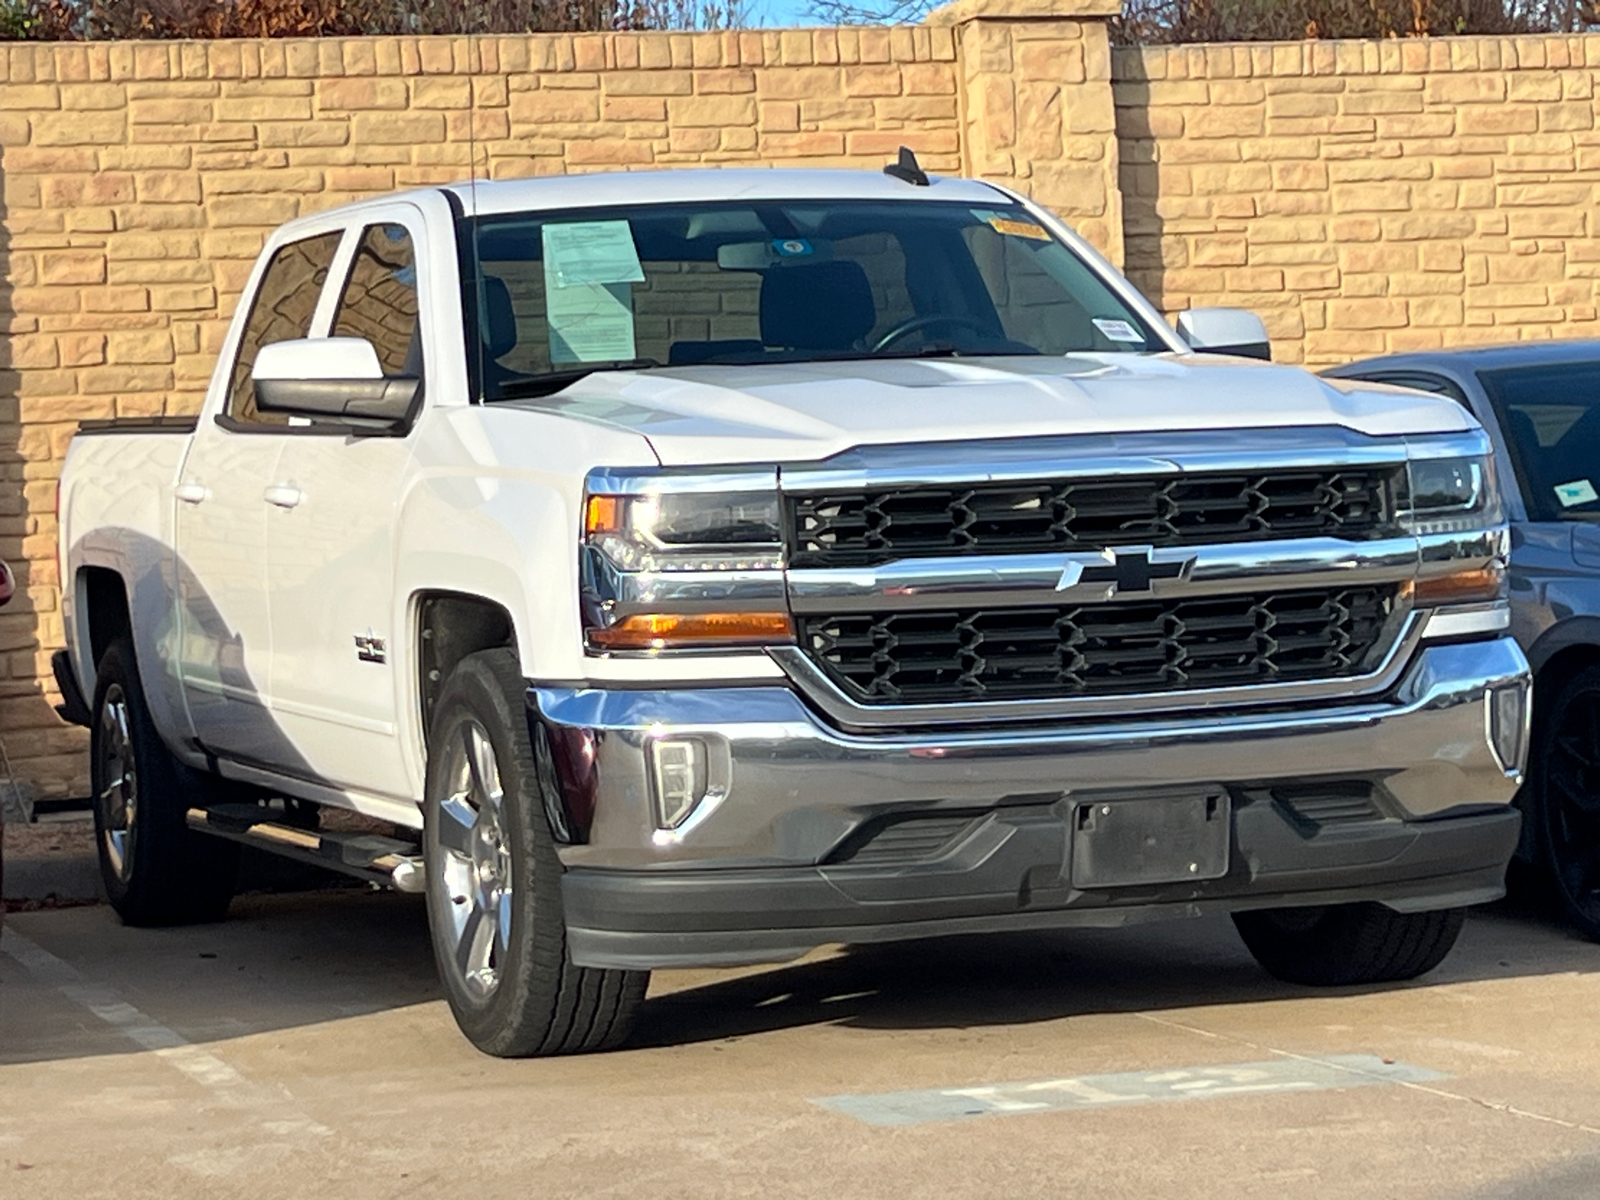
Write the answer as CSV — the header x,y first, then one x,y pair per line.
x,y
379,860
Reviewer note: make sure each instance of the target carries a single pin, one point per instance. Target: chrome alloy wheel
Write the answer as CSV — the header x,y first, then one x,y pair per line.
x,y
475,885
117,796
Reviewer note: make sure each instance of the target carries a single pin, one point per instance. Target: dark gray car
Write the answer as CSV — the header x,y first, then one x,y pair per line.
x,y
1541,405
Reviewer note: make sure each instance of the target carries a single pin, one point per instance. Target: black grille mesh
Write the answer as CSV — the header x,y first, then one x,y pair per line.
x,y
980,654
865,527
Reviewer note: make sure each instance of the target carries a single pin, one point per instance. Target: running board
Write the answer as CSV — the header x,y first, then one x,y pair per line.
x,y
380,860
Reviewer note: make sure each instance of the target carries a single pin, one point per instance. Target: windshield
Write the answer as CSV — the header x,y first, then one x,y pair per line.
x,y
1551,419
565,293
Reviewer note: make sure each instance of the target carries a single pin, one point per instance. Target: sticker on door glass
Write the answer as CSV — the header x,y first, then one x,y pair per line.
x,y
1579,491
577,253
1118,330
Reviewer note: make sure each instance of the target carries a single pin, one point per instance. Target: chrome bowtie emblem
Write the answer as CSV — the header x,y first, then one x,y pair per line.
x,y
1129,571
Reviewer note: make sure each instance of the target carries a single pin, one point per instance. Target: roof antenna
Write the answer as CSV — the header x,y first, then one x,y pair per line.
x,y
906,168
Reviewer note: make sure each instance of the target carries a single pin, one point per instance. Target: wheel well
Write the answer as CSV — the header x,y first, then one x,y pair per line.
x,y
1561,666
450,627
105,601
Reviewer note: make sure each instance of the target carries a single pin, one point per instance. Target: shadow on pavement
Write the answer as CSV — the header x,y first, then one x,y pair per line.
x,y
286,961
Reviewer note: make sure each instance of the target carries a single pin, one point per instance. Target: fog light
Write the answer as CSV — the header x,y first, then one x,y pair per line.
x,y
1508,726
678,778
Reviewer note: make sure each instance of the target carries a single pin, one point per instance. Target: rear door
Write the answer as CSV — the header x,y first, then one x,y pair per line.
x,y
337,677
221,523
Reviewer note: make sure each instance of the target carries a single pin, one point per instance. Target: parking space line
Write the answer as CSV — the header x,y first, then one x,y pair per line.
x,y
1415,1085
278,1114
1127,1088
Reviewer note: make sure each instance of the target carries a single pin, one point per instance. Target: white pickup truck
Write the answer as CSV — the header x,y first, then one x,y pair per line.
x,y
699,567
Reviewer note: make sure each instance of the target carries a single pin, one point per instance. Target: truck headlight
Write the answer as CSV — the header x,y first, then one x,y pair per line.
x,y
683,567
1452,495
686,531
1451,502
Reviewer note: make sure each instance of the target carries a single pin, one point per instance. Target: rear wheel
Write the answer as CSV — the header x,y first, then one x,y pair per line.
x,y
156,870
1344,944
1565,792
494,882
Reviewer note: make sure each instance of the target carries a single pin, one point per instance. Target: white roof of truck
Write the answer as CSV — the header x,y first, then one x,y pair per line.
x,y
745,183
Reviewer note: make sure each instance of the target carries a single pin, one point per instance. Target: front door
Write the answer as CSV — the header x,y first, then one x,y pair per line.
x,y
336,623
224,615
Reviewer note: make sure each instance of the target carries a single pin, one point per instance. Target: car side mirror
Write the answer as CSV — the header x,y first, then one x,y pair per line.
x,y
331,377
1225,331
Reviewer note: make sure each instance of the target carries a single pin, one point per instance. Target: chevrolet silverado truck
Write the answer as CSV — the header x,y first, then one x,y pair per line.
x,y
699,567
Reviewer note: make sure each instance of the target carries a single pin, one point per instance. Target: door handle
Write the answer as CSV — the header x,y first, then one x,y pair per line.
x,y
284,495
192,493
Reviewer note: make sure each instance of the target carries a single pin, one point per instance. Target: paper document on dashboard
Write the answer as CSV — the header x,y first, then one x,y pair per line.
x,y
590,322
581,252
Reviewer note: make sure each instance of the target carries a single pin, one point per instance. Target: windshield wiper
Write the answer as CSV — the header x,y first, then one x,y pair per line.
x,y
553,381
950,350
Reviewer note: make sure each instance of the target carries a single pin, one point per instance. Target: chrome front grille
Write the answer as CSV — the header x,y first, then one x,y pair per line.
x,y
976,654
866,526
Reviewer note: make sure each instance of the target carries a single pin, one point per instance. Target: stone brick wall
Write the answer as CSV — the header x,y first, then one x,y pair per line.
x,y
1366,197
1360,196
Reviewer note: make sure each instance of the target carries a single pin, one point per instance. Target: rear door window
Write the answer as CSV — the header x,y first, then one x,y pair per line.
x,y
379,302
280,311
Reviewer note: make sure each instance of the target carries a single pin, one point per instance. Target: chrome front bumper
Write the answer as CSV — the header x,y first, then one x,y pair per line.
x,y
753,873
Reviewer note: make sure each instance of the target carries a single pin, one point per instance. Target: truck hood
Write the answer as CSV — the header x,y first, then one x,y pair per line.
x,y
791,412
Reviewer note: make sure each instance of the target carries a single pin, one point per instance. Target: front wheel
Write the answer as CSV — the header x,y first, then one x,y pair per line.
x,y
494,882
156,870
1343,944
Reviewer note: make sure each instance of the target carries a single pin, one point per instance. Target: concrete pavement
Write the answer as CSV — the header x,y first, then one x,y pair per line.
x,y
301,1049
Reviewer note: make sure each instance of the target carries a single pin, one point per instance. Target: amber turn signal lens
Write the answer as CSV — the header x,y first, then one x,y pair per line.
x,y
666,631
603,514
1461,587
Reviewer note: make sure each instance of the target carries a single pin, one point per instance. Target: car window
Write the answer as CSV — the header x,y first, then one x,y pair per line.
x,y
1551,419
280,311
379,301
751,283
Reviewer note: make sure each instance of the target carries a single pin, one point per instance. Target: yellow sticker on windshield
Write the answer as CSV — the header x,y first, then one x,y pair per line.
x,y
1025,229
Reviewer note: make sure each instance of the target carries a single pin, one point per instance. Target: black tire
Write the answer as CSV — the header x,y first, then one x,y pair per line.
x,y
156,870
1343,944
513,989
1564,795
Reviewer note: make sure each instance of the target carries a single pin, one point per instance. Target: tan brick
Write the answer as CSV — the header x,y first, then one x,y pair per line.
x,y
719,111
551,108
167,187
264,108
72,267
189,298
363,93
725,82
441,93
1374,313
647,83
802,145
78,129
397,129
151,347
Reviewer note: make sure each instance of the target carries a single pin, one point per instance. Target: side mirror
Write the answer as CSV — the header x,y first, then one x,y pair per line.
x,y
330,377
1225,331
8,583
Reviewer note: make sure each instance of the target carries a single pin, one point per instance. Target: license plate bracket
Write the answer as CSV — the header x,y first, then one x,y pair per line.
x,y
1150,838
